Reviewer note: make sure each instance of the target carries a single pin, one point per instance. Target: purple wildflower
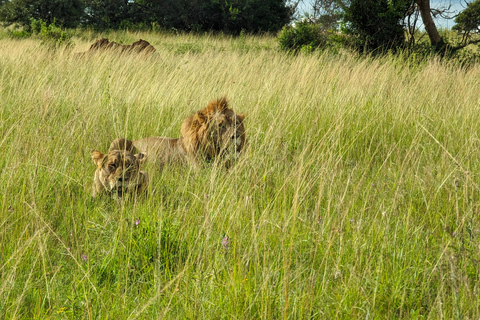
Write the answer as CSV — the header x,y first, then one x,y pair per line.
x,y
84,257
225,243
137,222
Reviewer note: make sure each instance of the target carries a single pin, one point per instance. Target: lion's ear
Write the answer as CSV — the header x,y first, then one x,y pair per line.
x,y
198,119
192,124
97,158
141,157
241,117
222,103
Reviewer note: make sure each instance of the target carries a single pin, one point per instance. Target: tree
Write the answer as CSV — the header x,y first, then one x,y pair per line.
x,y
430,27
469,19
468,23
256,15
378,24
375,21
231,16
185,15
65,13
327,13
103,14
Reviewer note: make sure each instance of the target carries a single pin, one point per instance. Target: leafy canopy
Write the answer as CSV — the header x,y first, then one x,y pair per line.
x,y
469,19
378,24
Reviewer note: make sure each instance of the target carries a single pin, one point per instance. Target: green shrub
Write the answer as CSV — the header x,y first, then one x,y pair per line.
x,y
51,34
303,36
18,33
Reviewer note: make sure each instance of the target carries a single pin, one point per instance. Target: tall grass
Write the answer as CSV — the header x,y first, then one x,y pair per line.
x,y
357,196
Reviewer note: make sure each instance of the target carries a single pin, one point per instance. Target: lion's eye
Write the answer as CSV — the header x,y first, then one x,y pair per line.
x,y
112,167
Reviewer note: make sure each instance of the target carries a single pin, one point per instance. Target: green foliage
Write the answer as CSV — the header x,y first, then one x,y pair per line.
x,y
65,13
18,33
107,14
256,15
302,36
469,19
465,58
51,34
197,15
378,25
140,26
230,16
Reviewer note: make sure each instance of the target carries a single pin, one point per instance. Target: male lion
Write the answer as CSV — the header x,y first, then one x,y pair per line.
x,y
118,172
215,133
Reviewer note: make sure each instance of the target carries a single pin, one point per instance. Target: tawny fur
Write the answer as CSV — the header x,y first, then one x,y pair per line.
x,y
122,144
118,172
215,133
140,46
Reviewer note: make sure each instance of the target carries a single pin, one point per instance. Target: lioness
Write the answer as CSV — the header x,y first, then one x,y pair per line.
x,y
215,133
140,47
118,172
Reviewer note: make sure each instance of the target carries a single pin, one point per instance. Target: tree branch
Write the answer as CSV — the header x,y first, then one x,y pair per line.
x,y
463,45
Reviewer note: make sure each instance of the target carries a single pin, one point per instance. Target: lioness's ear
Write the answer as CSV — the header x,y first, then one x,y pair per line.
x,y
97,157
122,144
241,117
141,157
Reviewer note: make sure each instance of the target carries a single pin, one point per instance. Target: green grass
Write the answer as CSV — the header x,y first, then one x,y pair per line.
x,y
357,196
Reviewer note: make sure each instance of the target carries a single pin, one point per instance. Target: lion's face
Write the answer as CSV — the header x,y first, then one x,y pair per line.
x,y
216,132
227,133
118,172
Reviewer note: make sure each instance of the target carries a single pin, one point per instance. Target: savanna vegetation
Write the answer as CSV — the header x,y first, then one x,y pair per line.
x,y
356,197
230,16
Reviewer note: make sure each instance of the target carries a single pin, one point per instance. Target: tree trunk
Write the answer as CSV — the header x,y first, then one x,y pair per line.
x,y
435,39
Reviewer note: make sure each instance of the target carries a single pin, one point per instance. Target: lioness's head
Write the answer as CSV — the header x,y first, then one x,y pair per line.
x,y
122,144
118,172
215,132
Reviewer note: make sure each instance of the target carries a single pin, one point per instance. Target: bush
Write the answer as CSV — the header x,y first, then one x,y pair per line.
x,y
18,33
304,36
51,34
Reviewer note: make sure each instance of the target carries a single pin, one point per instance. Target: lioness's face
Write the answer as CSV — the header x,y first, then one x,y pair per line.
x,y
118,172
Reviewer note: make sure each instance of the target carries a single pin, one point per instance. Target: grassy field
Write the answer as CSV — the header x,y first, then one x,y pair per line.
x,y
357,196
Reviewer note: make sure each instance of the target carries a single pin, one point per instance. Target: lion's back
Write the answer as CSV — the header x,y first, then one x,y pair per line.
x,y
161,149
